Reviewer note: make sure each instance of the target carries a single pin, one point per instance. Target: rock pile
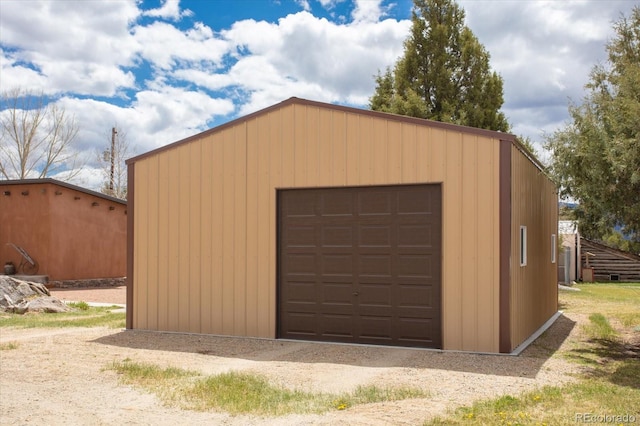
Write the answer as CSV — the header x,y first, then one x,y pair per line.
x,y
19,296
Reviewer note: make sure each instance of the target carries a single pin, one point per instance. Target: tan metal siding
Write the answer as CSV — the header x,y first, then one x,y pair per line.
x,y
219,215
534,289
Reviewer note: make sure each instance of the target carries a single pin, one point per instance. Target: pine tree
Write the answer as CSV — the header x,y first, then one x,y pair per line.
x,y
444,74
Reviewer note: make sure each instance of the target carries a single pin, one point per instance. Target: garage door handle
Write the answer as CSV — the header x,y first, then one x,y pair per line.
x,y
355,293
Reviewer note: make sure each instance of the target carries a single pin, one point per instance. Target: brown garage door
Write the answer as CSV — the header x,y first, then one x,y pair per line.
x,y
361,265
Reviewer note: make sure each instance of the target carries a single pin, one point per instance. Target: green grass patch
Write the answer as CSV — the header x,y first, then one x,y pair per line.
x,y
83,306
245,393
8,346
618,301
550,405
599,327
609,352
79,317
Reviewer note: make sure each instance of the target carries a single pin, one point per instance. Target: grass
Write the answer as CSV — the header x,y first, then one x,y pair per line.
x,y
82,316
609,354
548,406
244,393
8,346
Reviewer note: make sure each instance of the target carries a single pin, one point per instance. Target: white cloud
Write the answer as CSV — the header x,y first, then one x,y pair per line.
x,y
69,45
155,118
166,46
170,9
367,11
163,80
315,57
544,51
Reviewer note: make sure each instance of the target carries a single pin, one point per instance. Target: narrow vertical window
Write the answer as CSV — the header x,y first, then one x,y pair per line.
x,y
554,247
523,245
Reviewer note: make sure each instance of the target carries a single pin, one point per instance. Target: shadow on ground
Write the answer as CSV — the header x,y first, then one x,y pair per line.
x,y
610,359
527,364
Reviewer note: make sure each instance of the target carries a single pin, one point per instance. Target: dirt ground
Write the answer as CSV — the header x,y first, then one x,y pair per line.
x,y
116,295
58,376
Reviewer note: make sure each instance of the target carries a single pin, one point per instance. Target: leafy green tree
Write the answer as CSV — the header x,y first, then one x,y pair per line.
x,y
596,156
444,74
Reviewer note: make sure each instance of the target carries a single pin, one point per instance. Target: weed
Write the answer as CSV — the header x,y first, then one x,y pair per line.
x,y
8,346
238,392
610,383
91,317
83,306
599,327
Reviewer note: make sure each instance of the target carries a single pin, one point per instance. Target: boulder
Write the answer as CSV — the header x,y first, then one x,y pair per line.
x,y
23,296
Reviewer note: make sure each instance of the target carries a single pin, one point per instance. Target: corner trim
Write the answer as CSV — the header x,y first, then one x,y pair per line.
x,y
130,230
505,247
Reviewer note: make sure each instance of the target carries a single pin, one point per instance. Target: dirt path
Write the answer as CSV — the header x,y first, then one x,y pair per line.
x,y
57,376
117,295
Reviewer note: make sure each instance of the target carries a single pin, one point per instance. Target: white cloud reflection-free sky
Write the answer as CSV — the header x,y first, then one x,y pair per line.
x,y
164,70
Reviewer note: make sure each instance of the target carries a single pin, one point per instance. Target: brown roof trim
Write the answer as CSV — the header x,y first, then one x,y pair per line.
x,y
130,231
345,109
505,247
64,185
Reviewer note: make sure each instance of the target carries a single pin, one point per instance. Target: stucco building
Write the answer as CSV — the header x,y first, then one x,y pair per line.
x,y
71,232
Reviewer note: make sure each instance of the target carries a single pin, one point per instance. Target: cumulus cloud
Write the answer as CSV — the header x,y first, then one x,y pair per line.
x,y
304,52
170,9
544,51
164,74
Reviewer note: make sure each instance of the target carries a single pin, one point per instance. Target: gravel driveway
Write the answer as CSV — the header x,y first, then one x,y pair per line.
x,y
57,376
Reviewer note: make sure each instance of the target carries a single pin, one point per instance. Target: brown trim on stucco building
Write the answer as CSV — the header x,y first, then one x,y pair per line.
x,y
64,185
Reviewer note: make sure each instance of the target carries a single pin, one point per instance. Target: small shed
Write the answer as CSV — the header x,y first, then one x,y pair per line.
x,y
319,222
71,232
569,269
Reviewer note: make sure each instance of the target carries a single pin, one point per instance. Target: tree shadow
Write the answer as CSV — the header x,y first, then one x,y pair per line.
x,y
527,364
610,359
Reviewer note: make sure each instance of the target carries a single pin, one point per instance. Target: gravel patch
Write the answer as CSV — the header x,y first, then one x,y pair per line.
x,y
57,376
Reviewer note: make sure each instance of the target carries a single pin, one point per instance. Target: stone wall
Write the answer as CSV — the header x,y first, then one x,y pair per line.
x,y
94,282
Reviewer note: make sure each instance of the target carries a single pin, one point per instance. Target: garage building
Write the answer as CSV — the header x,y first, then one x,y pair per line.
x,y
319,222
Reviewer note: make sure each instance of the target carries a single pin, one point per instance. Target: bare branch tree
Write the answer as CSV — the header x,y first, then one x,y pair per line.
x,y
113,159
36,137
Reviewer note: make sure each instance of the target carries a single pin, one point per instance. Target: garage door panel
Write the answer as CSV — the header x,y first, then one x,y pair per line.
x,y
336,294
337,236
372,265
376,327
415,235
364,268
375,203
301,324
414,201
375,236
300,236
413,265
416,330
336,204
336,326
378,295
304,205
301,292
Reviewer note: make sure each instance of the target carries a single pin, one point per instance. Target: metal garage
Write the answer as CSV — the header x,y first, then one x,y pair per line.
x,y
313,221
361,265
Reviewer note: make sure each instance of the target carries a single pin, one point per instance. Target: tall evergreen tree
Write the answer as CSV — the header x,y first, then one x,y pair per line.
x,y
444,74
596,156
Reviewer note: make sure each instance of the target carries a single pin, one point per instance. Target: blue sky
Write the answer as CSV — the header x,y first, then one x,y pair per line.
x,y
162,70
